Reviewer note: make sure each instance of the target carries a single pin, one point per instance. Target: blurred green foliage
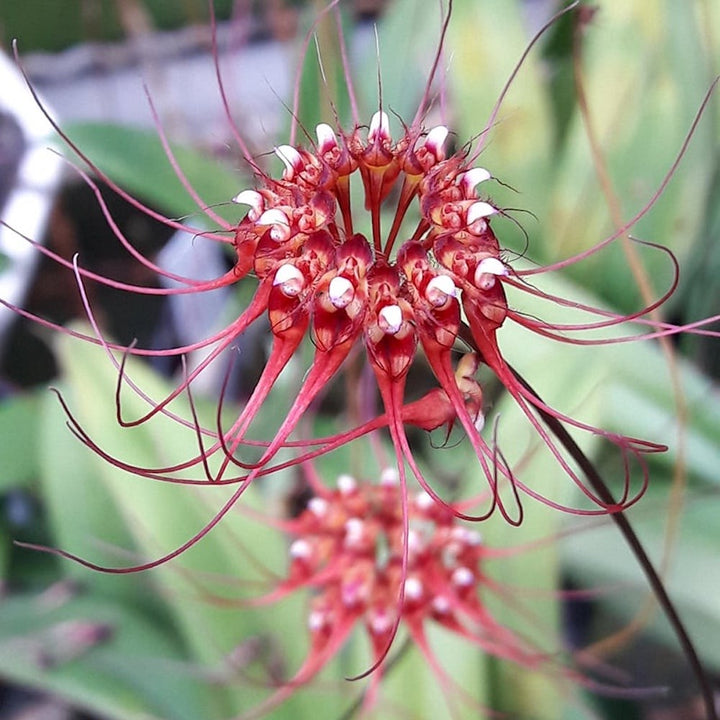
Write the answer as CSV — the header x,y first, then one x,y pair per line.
x,y
164,654
40,25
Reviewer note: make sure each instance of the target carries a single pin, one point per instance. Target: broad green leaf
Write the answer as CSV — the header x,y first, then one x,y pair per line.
x,y
136,161
599,559
162,516
134,672
18,450
407,38
323,90
642,70
486,41
81,512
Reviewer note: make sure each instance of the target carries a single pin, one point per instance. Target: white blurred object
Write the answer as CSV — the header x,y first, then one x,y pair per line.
x,y
31,192
202,259
104,83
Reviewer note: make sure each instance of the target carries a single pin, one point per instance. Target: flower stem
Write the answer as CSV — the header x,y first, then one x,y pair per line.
x,y
631,538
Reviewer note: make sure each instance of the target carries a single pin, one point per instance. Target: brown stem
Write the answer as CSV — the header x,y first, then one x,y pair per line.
x,y
631,538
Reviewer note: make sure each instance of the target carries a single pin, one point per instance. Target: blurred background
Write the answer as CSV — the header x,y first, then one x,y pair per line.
x,y
76,644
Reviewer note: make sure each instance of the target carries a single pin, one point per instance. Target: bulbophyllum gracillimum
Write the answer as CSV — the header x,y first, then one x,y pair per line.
x,y
381,252
373,562
379,249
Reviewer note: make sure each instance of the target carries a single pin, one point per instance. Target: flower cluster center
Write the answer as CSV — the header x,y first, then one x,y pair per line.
x,y
349,549
299,236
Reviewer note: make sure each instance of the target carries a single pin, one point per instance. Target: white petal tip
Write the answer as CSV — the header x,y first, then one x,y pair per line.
x,y
326,138
473,177
492,266
462,577
478,211
413,589
379,126
390,319
389,477
249,197
424,501
346,484
316,621
289,279
300,550
291,158
318,506
279,222
436,139
340,292
439,289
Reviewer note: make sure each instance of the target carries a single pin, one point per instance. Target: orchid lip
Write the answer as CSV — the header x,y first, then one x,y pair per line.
x,y
379,127
290,157
479,210
252,198
341,292
390,319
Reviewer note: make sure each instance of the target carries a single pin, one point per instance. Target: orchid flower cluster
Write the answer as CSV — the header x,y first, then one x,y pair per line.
x,y
352,548
380,251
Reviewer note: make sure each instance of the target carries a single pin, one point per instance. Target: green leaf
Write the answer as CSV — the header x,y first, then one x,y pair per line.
x,y
205,589
599,559
487,40
132,670
18,451
407,38
136,161
641,70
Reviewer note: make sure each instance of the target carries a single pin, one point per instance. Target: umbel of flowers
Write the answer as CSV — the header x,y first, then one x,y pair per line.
x,y
412,272
348,548
383,243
